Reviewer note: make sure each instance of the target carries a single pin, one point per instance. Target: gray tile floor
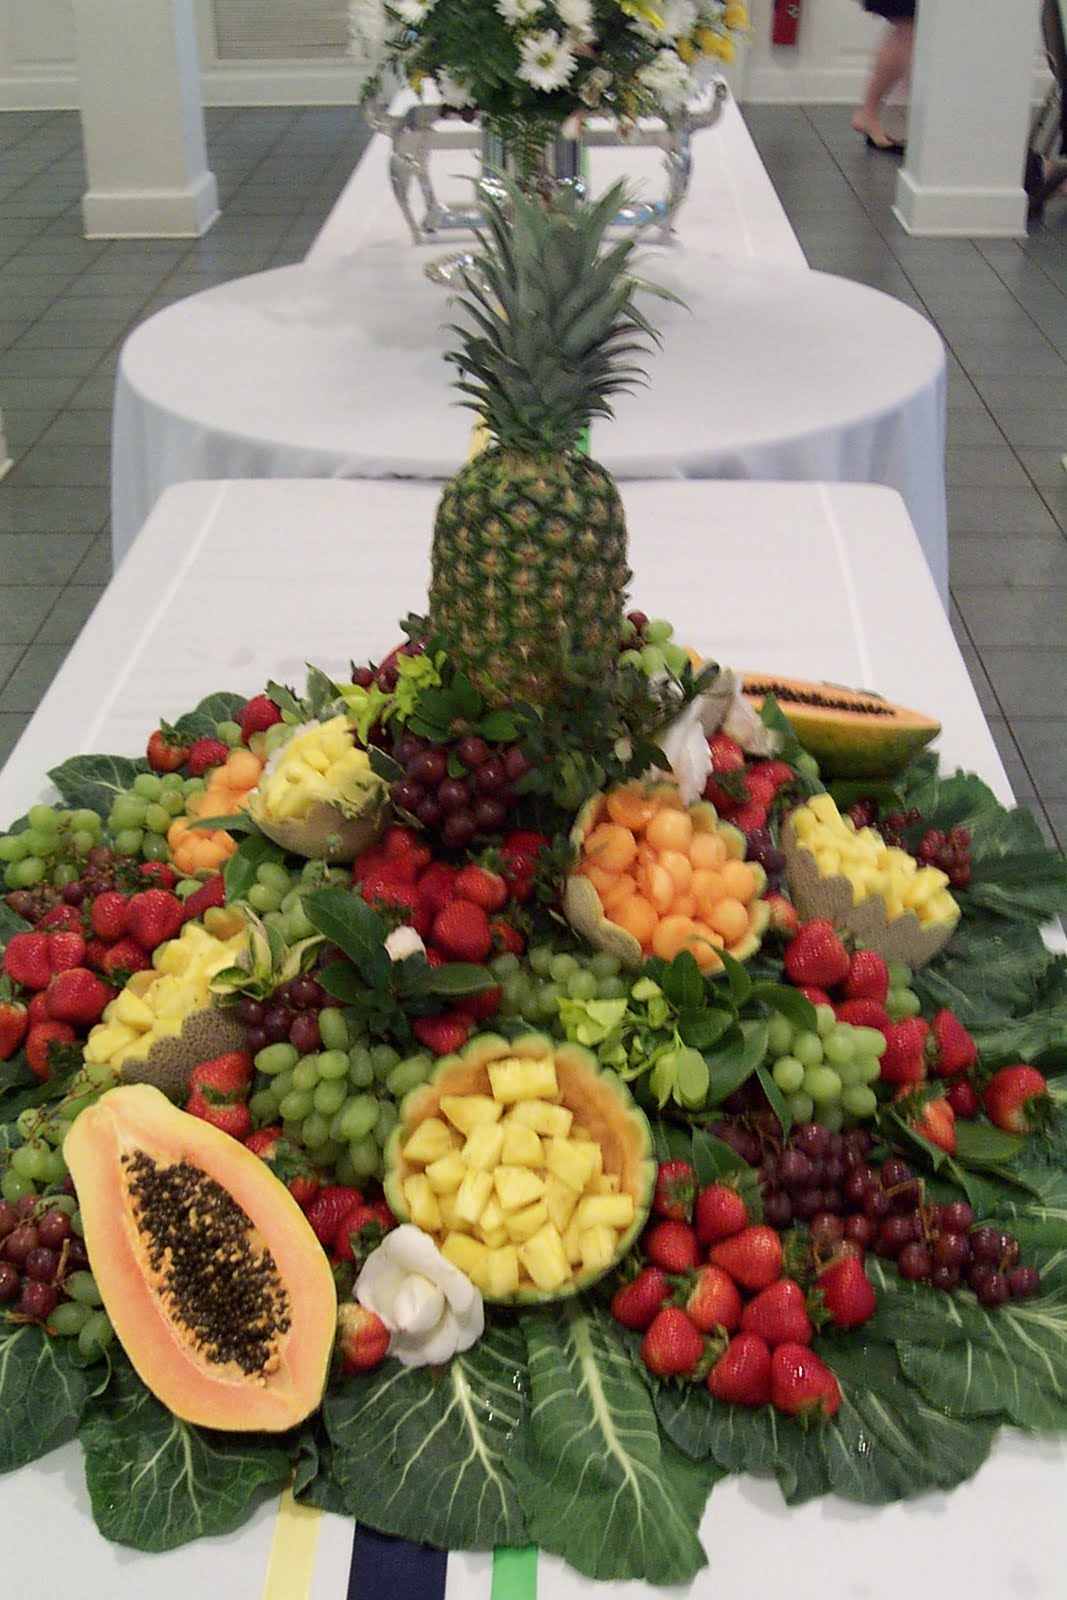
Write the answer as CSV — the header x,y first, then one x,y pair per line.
x,y
66,304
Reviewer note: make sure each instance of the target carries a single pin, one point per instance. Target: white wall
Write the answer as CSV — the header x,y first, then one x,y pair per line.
x,y
236,38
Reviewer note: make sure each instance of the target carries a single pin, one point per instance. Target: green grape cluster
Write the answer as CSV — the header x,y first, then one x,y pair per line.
x,y
826,1074
140,815
901,1001
36,1166
653,648
52,849
338,1103
532,988
278,895
82,1315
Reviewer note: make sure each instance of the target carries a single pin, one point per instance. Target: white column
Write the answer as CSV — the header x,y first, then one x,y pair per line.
x,y
968,121
142,120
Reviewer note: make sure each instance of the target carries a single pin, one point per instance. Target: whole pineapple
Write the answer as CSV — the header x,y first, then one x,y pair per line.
x,y
529,550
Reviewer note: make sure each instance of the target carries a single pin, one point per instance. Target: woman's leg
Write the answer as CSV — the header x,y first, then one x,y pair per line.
x,y
891,65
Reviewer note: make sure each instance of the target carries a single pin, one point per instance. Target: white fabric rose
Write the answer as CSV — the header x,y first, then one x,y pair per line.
x,y
403,942
431,1310
685,744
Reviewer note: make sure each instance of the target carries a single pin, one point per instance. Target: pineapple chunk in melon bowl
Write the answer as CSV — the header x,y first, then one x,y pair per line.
x,y
655,877
529,1166
318,797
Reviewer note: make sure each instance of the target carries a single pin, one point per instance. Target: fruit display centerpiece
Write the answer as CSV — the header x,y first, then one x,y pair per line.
x,y
432,1092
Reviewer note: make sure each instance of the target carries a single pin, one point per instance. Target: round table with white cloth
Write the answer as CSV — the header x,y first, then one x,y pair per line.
x,y
765,372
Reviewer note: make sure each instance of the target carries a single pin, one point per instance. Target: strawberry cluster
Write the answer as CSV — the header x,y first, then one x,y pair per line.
x,y
461,913
741,791
167,751
59,976
218,1092
717,1301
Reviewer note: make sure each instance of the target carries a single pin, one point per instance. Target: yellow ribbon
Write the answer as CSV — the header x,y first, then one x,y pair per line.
x,y
291,1563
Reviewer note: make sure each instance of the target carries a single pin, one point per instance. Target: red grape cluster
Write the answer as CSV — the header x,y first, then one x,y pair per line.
x,y
37,1250
289,1015
458,790
950,852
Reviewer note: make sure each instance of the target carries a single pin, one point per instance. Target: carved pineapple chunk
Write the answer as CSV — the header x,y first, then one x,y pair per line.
x,y
610,1210
525,1223
431,1140
518,1078
483,1146
573,1162
517,1187
597,1246
544,1259
521,1147
499,1274
447,1173
473,1194
543,1117
465,1252
422,1202
466,1111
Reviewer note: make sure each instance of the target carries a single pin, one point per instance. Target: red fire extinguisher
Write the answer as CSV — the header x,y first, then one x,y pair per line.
x,y
786,25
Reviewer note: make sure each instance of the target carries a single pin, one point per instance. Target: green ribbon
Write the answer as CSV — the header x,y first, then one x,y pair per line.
x,y
514,1573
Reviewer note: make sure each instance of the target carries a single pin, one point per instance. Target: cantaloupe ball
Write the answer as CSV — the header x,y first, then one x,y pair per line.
x,y
679,867
707,850
657,885
684,905
610,847
243,769
603,882
629,808
708,889
739,880
671,935
704,945
639,918
670,830
730,918
620,888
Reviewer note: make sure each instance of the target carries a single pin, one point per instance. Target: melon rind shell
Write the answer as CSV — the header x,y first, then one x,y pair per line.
x,y
902,938
580,1073
325,833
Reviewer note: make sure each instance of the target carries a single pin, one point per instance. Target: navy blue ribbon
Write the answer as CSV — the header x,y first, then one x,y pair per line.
x,y
383,1568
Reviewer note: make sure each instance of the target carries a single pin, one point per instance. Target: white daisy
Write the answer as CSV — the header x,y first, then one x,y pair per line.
x,y
411,11
454,91
668,78
578,16
368,26
679,18
547,63
514,11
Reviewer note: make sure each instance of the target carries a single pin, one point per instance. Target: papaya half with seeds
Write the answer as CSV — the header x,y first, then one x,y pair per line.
x,y
216,1286
852,733
655,877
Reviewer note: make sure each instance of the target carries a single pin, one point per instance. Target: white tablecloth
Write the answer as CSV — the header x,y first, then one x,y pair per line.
x,y
232,583
731,207
336,372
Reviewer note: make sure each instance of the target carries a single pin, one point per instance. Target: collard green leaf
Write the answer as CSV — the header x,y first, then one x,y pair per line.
x,y
598,1483
215,708
990,969
92,782
42,1393
758,1440
1038,1224
979,1144
156,1482
426,1452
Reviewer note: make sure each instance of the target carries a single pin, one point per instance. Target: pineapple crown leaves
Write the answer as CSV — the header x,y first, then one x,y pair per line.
x,y
552,331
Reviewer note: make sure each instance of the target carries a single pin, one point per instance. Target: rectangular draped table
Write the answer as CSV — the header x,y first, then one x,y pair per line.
x,y
232,583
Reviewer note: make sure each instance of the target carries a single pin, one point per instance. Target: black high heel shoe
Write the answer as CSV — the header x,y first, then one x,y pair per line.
x,y
895,147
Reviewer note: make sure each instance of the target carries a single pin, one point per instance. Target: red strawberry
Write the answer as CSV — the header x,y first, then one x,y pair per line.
x,y
720,1212
750,816
784,919
816,955
963,1097
63,917
77,996
14,1022
328,1209
211,893
41,1040
636,1303
672,1246
26,960
742,1374
525,842
904,1060
863,1014
289,1164
726,754
257,715
109,914
167,750
778,1314
676,1186
399,843
1017,1099
802,1385
235,1119
160,873
444,1032
867,977
362,1337
953,1049
777,772
124,956
370,861
224,1078
487,889
714,1301
461,930
155,915
753,1257
66,949
206,753
264,1141
672,1347
817,996
847,1293
361,1231
486,1003
506,938
938,1124
437,886
382,893
761,788
37,1010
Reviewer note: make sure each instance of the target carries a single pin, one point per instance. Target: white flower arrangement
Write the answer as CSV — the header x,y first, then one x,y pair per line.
x,y
431,1309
